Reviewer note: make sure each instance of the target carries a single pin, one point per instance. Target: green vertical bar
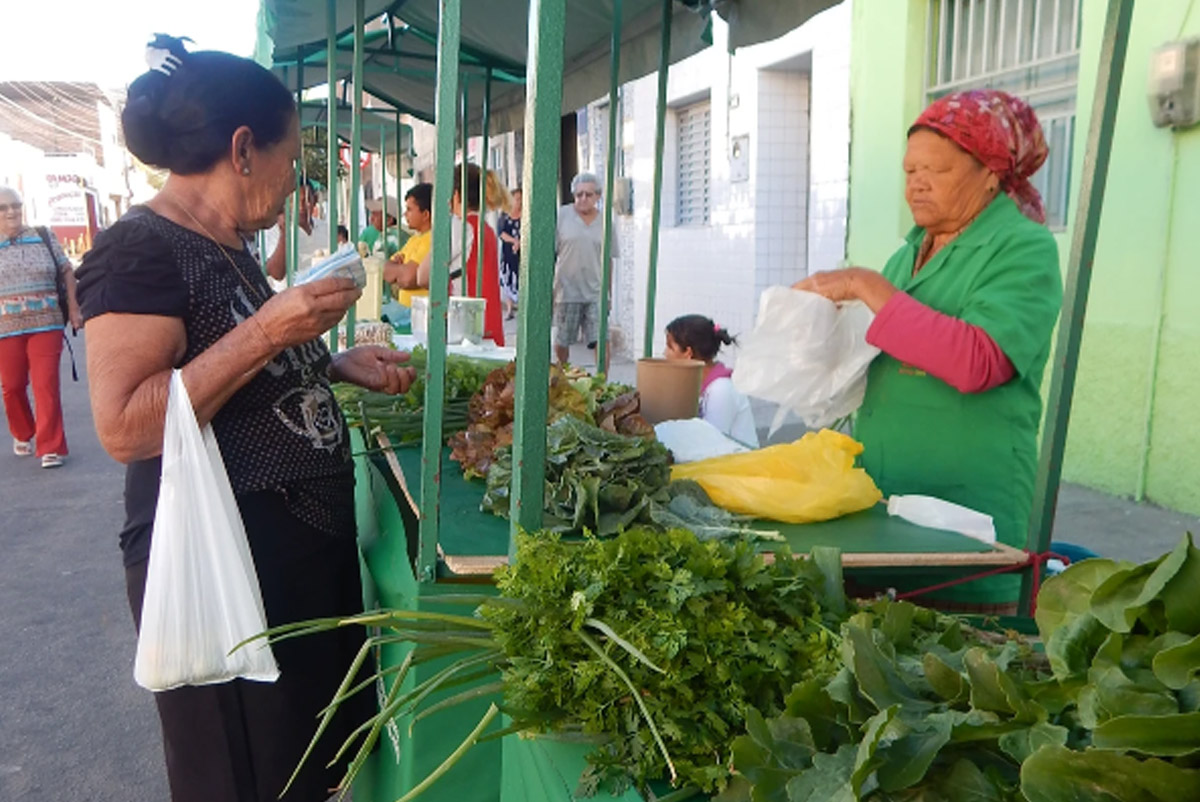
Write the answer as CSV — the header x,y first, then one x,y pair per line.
x,y
487,100
387,288
1079,279
462,182
383,185
543,115
331,141
355,149
660,127
610,178
449,32
292,235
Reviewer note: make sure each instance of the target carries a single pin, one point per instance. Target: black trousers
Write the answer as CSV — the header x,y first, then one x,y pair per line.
x,y
240,741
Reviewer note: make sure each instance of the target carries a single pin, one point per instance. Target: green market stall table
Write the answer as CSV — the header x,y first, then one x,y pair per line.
x,y
871,541
474,543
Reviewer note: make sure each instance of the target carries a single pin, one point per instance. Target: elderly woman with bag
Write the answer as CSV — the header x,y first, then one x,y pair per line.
x,y
36,277
174,285
964,314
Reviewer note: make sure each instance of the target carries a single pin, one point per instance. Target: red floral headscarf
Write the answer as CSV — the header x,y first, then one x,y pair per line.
x,y
999,130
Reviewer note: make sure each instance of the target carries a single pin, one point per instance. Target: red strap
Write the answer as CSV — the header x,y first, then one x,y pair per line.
x,y
1031,560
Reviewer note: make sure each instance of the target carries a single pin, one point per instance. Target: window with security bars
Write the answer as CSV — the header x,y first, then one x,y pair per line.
x,y
1029,48
692,157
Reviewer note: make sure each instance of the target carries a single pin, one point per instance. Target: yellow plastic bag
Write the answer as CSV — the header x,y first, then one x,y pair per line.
x,y
812,479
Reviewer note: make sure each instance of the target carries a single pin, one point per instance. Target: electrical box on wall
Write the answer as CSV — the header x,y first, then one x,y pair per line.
x,y
622,199
739,158
1175,84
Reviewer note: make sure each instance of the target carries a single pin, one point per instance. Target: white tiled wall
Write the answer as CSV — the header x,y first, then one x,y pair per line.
x,y
790,97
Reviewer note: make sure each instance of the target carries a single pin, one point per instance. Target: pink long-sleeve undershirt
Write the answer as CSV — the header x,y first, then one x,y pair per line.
x,y
959,353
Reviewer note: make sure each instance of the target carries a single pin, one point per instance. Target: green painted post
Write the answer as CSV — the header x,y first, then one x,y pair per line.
x,y
331,141
543,114
660,128
449,33
1079,278
355,149
462,182
387,288
610,178
292,234
483,164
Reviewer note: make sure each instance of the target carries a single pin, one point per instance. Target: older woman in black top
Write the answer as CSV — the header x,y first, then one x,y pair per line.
x,y
173,285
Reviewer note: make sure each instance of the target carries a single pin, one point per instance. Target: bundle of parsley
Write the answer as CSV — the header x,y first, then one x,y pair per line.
x,y
658,644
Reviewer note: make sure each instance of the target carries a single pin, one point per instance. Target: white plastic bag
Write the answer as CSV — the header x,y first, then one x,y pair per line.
x,y
202,596
938,514
807,354
694,439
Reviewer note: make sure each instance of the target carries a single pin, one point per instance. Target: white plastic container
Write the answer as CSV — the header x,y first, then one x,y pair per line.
x,y
420,315
465,320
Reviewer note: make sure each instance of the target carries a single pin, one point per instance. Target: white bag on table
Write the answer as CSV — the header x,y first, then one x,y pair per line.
x,y
807,354
202,596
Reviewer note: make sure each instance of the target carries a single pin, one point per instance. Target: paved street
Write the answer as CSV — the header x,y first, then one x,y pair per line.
x,y
73,725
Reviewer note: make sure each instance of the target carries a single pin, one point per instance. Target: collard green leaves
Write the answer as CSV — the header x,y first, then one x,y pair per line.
x,y
595,480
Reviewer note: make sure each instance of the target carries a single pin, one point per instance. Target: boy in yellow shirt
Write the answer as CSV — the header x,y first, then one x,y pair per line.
x,y
401,270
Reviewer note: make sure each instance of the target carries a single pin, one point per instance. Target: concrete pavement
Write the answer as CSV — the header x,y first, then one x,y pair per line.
x,y
73,725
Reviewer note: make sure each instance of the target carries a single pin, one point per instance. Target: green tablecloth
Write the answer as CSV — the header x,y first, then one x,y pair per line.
x,y
466,531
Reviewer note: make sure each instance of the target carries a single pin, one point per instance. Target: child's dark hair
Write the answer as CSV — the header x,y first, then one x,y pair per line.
x,y
699,333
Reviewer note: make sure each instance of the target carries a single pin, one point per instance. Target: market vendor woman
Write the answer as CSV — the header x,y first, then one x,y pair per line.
x,y
964,314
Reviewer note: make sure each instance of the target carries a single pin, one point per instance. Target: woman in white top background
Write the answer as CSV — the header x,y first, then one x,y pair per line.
x,y
698,337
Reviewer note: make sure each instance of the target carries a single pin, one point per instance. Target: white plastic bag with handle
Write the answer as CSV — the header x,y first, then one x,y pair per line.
x,y
807,354
202,596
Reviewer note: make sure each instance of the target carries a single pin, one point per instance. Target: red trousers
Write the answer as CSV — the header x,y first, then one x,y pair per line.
x,y
34,356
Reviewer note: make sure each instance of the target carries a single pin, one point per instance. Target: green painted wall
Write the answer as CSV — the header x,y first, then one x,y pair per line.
x,y
1133,430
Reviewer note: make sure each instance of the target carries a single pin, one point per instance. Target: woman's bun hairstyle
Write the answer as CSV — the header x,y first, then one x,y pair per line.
x,y
183,121
699,333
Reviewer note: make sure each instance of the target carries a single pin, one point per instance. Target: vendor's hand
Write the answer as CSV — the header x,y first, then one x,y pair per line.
x,y
850,284
374,367
74,317
306,312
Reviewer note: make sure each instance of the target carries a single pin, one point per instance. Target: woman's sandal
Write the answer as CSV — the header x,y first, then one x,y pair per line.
x,y
23,448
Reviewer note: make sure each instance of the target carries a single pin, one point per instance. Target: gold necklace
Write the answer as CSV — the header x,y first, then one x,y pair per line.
x,y
257,291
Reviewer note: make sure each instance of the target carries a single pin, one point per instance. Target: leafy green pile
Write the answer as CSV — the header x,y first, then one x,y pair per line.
x,y
401,417
684,504
918,712
595,480
704,631
492,413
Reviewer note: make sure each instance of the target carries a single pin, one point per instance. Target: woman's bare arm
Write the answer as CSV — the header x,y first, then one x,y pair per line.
x,y
130,358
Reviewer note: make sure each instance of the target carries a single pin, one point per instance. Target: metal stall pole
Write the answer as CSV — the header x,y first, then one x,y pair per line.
x,y
543,111
331,141
355,149
462,182
387,288
1079,279
660,127
449,33
610,177
292,235
483,168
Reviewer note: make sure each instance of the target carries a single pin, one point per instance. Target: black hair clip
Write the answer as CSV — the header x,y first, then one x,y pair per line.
x,y
166,53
